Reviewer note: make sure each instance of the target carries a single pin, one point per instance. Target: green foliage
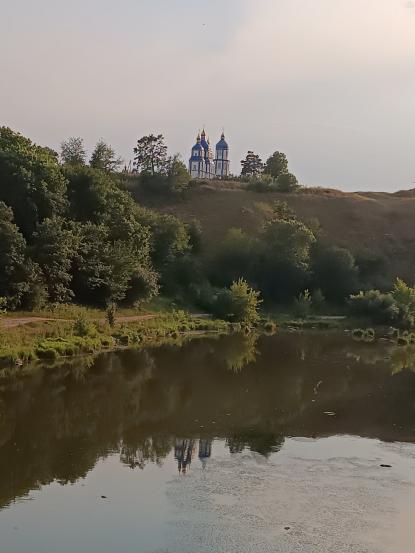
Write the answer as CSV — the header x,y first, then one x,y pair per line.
x,y
233,258
108,268
150,154
372,269
239,304
262,183
54,247
282,269
334,272
404,296
178,177
111,314
171,178
194,230
276,165
103,157
169,238
12,258
287,182
281,210
395,308
73,151
302,305
32,181
375,306
84,327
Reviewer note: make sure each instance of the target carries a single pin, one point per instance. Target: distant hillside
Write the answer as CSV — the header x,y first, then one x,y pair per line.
x,y
380,222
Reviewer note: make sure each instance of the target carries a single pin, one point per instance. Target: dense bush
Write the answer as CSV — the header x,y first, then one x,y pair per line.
x,y
239,304
334,271
395,308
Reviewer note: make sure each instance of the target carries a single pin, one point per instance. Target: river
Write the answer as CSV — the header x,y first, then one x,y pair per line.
x,y
297,442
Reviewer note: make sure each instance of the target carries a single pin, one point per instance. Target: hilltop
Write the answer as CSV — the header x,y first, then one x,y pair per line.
x,y
378,223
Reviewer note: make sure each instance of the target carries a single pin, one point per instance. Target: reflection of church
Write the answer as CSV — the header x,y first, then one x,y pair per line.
x,y
184,451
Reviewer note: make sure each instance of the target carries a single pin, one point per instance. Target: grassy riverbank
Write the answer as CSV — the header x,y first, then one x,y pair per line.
x,y
70,331
79,331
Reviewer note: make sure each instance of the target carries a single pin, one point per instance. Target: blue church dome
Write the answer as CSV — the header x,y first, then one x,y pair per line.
x,y
222,144
197,150
204,143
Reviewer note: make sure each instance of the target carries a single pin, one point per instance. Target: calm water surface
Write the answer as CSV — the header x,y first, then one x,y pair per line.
x,y
231,444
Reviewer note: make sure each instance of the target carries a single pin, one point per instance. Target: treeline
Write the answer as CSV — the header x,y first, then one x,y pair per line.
x,y
271,176
289,258
68,232
71,232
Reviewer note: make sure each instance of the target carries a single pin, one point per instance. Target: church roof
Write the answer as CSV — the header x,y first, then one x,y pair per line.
x,y
222,144
198,145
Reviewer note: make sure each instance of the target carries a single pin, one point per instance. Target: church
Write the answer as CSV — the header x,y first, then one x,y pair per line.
x,y
203,165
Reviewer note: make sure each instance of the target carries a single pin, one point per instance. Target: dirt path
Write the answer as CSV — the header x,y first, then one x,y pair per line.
x,y
12,322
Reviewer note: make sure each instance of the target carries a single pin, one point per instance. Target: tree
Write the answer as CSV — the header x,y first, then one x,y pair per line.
x,y
334,272
150,154
54,248
169,238
276,165
233,258
283,258
103,157
12,259
109,269
73,151
379,308
252,165
404,296
281,210
287,182
239,304
32,181
178,177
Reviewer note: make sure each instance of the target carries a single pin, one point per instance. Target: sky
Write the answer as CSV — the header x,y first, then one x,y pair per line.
x,y
329,82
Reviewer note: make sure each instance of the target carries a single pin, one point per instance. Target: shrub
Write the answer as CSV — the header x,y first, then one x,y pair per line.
x,y
239,304
287,182
395,307
375,306
111,314
83,327
262,183
302,305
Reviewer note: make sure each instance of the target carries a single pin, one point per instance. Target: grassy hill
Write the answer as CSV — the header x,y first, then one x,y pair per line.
x,y
377,222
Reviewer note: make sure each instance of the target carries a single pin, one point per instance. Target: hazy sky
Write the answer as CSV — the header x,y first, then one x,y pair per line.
x,y
329,82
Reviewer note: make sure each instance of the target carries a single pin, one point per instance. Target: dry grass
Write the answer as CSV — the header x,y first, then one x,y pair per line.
x,y
378,222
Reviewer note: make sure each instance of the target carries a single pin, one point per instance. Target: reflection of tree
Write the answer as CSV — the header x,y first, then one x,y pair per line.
x,y
402,358
55,424
149,449
399,357
239,350
262,443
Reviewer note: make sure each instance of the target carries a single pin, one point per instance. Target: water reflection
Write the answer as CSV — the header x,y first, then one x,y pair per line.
x,y
56,424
